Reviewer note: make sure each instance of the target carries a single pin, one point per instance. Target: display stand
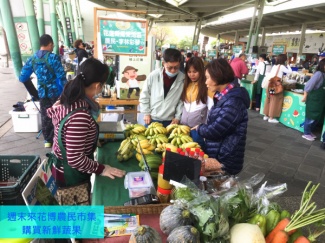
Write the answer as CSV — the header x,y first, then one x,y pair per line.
x,y
251,89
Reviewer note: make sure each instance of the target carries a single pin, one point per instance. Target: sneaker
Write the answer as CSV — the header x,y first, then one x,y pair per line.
x,y
313,135
265,118
273,120
47,145
308,137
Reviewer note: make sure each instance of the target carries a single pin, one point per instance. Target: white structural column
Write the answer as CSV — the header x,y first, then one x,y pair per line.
x,y
302,39
236,40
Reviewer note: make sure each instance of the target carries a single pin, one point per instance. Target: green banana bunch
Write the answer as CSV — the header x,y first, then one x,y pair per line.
x,y
158,139
153,160
125,150
135,137
177,139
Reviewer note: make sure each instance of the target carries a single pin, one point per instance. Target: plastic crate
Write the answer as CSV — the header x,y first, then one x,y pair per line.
x,y
15,173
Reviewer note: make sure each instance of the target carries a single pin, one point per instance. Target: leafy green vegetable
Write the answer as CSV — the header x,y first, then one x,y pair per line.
x,y
185,194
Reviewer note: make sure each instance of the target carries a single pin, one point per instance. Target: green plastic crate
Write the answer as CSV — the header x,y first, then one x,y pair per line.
x,y
15,173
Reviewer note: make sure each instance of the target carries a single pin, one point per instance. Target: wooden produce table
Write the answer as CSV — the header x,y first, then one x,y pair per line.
x,y
110,193
117,102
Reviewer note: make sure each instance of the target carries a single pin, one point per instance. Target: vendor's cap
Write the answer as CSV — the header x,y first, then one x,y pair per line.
x,y
127,68
321,54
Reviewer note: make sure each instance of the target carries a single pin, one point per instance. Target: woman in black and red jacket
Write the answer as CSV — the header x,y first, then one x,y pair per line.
x,y
226,127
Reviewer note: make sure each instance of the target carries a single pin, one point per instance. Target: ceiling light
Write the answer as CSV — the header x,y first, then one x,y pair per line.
x,y
155,15
176,3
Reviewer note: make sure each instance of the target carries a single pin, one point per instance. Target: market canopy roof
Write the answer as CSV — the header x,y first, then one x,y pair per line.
x,y
187,12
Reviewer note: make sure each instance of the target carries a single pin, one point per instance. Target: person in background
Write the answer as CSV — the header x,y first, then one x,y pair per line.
x,y
80,131
273,103
161,92
226,126
182,66
194,96
238,65
51,79
81,53
158,58
314,96
61,51
263,68
273,60
188,56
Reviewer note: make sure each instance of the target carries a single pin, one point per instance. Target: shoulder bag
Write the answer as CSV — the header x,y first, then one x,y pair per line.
x,y
78,194
275,84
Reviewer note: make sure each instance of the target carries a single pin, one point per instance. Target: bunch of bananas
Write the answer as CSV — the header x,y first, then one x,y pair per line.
x,y
134,129
155,128
176,128
178,139
154,161
190,145
135,137
125,150
158,139
162,148
147,148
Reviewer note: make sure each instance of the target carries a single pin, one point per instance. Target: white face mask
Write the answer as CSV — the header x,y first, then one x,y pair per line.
x,y
97,95
171,75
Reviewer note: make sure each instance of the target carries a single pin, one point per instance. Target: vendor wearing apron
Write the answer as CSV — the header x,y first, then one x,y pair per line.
x,y
314,96
263,68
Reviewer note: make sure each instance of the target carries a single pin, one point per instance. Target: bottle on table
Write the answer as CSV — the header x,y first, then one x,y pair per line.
x,y
201,158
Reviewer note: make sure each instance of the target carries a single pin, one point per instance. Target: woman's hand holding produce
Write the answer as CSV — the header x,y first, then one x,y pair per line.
x,y
111,172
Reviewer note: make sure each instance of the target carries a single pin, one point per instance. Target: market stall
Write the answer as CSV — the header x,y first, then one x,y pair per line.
x,y
293,110
251,89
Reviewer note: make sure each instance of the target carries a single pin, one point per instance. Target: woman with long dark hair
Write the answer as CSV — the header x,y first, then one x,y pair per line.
x,y
273,103
194,96
74,115
226,126
314,96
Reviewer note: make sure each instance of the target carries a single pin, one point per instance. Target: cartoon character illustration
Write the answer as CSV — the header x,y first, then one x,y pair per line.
x,y
132,78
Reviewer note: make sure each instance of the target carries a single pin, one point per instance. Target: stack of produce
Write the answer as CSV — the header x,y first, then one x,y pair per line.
x,y
176,222
240,216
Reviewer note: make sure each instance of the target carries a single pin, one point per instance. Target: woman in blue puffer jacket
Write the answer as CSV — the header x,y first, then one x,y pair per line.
x,y
226,127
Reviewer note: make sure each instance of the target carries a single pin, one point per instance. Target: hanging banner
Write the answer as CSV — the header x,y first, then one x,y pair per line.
x,y
278,49
128,37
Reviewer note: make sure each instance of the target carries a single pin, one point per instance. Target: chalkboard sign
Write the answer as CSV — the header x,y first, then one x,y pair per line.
x,y
237,49
128,37
278,49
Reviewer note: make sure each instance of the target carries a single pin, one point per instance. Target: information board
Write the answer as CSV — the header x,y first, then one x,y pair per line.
x,y
195,48
278,49
212,53
237,49
128,37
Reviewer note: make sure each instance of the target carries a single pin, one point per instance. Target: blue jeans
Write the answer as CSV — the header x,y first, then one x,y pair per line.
x,y
309,125
165,123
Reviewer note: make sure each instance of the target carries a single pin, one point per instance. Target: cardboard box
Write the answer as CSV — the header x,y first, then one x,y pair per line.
x,y
26,121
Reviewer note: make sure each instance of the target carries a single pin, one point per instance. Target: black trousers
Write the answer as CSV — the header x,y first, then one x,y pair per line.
x,y
47,125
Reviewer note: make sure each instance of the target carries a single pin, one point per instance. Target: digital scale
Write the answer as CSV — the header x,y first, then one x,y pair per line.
x,y
111,130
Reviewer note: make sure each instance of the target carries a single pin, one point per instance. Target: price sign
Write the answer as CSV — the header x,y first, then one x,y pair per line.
x,y
278,49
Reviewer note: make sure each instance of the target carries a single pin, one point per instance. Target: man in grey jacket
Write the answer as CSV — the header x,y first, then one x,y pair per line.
x,y
160,96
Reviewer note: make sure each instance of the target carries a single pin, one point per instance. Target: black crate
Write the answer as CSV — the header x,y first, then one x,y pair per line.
x,y
15,173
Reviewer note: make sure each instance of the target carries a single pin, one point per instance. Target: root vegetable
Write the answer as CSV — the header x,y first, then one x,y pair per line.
x,y
246,233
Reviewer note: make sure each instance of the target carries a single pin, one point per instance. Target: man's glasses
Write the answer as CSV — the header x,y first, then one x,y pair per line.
x,y
170,68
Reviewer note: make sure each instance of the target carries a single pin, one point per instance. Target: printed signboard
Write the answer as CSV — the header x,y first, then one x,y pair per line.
x,y
128,37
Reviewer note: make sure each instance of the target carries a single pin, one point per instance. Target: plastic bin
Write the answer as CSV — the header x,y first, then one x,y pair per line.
x,y
26,121
138,183
15,173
